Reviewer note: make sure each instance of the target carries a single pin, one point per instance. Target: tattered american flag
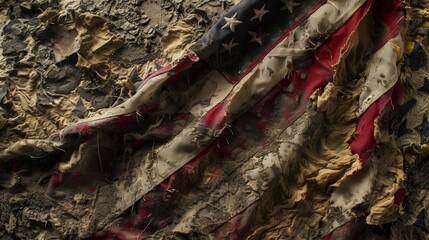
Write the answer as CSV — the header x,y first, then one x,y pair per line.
x,y
286,120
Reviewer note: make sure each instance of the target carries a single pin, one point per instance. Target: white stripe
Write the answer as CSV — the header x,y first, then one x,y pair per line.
x,y
382,73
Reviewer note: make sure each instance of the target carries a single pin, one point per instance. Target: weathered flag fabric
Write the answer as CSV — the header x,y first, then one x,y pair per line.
x,y
257,119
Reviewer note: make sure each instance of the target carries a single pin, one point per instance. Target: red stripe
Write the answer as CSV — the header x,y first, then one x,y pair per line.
x,y
215,118
389,14
364,143
179,67
329,53
166,184
399,196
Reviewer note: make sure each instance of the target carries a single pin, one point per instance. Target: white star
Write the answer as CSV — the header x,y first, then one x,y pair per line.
x,y
255,38
231,22
289,5
228,46
259,13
